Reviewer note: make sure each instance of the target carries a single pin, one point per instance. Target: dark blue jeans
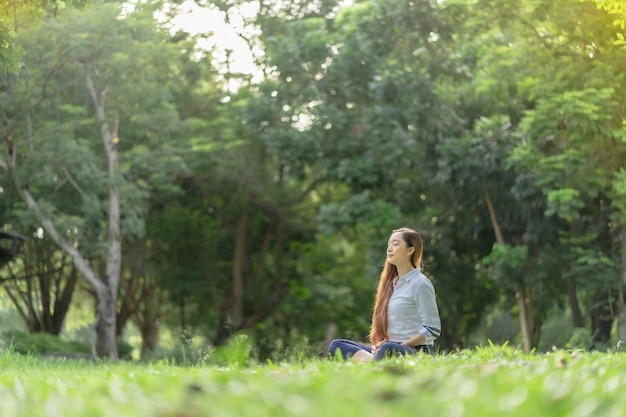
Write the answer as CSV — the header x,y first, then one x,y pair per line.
x,y
347,348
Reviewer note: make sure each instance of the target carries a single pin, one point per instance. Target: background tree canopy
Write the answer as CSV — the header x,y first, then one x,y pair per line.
x,y
194,202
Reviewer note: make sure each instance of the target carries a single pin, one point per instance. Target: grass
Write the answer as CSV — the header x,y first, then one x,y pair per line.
x,y
493,381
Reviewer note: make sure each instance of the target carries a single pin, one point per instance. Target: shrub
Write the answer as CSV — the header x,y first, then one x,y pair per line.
x,y
42,343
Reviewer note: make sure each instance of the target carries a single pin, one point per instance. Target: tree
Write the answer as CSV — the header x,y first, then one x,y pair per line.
x,y
571,145
257,192
91,74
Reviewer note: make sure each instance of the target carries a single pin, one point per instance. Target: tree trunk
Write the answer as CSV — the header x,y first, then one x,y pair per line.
x,y
46,301
63,301
223,331
237,314
601,319
577,315
520,295
127,302
146,315
149,337
331,331
621,319
570,285
182,314
106,315
105,344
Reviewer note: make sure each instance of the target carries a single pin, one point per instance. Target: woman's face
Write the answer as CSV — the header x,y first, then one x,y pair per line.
x,y
398,252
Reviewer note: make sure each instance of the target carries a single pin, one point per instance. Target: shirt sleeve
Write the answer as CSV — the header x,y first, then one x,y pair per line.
x,y
428,311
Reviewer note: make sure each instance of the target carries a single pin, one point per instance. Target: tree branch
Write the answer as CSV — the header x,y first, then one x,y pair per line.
x,y
17,305
81,263
74,183
492,213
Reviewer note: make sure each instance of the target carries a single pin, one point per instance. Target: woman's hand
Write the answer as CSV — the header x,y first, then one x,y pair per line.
x,y
377,346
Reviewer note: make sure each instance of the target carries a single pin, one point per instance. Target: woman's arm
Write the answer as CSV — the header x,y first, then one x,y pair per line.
x,y
416,340
429,315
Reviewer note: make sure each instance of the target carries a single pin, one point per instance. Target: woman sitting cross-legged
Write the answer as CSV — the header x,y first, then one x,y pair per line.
x,y
406,317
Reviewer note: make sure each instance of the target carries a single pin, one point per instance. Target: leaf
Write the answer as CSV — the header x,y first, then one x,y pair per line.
x,y
565,203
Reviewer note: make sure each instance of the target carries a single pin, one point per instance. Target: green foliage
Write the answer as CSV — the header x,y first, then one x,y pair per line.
x,y
580,339
508,264
189,255
64,166
42,343
618,197
617,9
50,345
565,203
378,216
337,280
236,352
497,327
8,50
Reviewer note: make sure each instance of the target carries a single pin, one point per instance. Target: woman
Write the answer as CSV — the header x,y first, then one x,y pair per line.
x,y
406,318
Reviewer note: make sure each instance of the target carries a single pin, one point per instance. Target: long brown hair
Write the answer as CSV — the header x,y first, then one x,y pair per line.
x,y
378,332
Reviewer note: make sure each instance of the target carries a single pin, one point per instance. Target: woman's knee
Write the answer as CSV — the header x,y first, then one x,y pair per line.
x,y
334,346
388,349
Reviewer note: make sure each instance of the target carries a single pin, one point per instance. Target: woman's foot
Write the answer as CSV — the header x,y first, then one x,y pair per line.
x,y
362,356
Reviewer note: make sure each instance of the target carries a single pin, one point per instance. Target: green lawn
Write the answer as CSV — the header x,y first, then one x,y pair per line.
x,y
484,382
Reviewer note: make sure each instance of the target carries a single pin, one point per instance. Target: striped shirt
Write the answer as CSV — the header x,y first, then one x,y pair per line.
x,y
413,309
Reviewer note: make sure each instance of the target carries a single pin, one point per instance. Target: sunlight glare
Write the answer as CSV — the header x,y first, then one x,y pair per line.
x,y
221,38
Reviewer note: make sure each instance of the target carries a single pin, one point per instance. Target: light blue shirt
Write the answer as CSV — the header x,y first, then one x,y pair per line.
x,y
413,309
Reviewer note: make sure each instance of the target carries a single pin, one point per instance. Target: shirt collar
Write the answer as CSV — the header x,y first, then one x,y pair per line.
x,y
411,274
